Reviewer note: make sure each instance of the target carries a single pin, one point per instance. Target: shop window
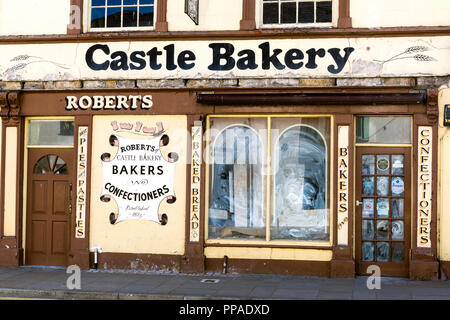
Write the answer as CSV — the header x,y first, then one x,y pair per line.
x,y
51,133
113,15
297,13
283,181
383,129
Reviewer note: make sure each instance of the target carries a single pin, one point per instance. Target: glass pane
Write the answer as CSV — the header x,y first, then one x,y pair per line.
x,y
300,185
368,164
130,16
129,2
367,251
39,170
397,164
383,230
397,208
146,16
383,186
146,1
382,207
383,130
368,186
114,2
397,230
397,186
51,132
306,12
51,160
98,2
383,164
288,12
98,18
114,17
382,251
270,13
43,163
236,207
62,170
323,11
398,254
368,206
367,230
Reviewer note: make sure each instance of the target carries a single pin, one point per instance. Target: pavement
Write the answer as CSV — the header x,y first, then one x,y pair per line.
x,y
51,283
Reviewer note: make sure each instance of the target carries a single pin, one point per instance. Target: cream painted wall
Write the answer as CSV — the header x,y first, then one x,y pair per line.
x,y
9,228
213,15
34,17
269,253
444,178
138,236
399,13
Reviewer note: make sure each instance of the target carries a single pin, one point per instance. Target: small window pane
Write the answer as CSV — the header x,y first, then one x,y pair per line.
x,y
397,208
146,1
368,188
382,208
367,251
397,186
383,164
397,164
98,2
398,254
130,16
368,164
397,230
129,2
270,13
43,163
382,251
368,207
383,186
146,16
367,230
288,12
323,11
62,170
382,230
114,17
98,18
383,130
39,170
306,12
114,2
51,132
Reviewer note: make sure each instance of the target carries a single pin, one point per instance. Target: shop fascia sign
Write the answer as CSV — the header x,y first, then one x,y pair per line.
x,y
222,57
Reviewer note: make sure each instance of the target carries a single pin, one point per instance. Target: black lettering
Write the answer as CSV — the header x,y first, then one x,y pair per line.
x,y
90,57
218,56
248,61
340,61
135,57
121,63
268,59
170,59
291,55
184,57
312,53
153,58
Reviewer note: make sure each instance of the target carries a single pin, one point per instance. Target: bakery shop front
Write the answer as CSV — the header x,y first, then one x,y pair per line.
x,y
309,180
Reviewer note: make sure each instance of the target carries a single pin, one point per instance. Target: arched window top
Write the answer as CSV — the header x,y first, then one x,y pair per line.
x,y
50,164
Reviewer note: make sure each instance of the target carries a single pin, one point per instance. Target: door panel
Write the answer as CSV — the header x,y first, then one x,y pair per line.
x,y
383,209
50,175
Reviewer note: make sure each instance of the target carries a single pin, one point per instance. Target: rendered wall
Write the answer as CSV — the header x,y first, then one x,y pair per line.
x,y
34,17
138,236
444,177
399,13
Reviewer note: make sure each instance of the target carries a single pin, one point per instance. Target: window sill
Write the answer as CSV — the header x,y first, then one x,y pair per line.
x,y
288,244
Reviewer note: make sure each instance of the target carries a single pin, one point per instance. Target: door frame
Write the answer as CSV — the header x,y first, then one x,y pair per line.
x,y
390,268
24,222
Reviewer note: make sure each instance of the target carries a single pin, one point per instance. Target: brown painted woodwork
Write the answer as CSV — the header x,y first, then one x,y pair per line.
x,y
387,268
344,20
161,24
72,19
48,210
310,99
248,15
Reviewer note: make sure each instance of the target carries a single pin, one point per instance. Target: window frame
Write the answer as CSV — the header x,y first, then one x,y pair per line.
x,y
269,176
87,20
332,24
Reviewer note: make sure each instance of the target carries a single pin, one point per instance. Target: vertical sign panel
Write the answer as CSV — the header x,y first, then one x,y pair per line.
x,y
342,186
194,228
424,186
80,222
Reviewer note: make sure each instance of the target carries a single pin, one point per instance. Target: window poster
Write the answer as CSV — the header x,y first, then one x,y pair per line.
x,y
138,177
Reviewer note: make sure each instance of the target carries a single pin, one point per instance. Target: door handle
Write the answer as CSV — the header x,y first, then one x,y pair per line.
x,y
70,208
358,203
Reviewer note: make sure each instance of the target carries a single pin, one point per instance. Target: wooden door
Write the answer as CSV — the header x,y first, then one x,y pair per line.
x,y
49,206
383,209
